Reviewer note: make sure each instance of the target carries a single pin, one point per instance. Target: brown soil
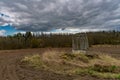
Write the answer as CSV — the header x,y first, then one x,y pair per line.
x,y
11,69
106,49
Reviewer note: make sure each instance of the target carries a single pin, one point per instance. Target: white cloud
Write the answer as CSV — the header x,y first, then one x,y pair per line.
x,y
72,30
21,6
2,32
22,32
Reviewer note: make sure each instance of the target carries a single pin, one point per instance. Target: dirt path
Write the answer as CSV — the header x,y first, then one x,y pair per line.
x,y
10,69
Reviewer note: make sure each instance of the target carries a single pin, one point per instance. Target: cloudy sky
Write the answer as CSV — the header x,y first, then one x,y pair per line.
x,y
58,15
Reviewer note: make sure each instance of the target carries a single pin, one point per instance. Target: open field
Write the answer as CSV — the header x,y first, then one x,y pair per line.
x,y
106,49
12,69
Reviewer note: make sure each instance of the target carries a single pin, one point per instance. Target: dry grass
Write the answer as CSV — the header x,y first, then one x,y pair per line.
x,y
51,56
105,60
34,60
77,63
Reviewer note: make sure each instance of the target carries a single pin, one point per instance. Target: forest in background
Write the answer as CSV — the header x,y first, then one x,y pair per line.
x,y
61,40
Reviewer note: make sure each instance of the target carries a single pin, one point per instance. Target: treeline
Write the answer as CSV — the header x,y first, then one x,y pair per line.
x,y
42,40
37,40
108,37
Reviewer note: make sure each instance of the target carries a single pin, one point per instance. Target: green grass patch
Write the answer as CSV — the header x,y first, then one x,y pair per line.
x,y
93,73
106,68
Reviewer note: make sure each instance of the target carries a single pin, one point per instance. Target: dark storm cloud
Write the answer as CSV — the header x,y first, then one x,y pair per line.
x,y
46,15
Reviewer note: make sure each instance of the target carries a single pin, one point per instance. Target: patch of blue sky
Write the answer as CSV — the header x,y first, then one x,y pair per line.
x,y
10,30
